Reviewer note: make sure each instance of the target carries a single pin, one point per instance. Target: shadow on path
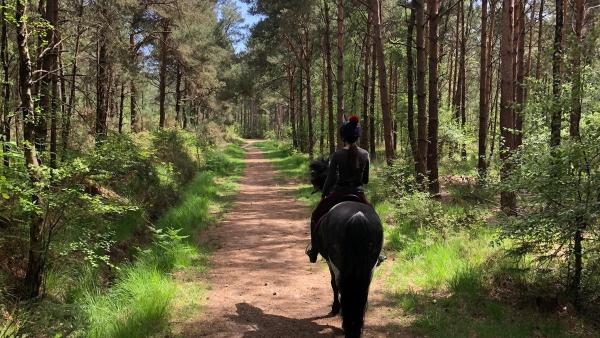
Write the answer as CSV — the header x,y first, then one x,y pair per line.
x,y
268,325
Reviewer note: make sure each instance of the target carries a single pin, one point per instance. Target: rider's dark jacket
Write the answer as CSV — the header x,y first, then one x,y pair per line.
x,y
345,177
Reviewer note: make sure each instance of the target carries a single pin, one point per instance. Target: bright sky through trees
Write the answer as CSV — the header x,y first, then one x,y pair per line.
x,y
249,21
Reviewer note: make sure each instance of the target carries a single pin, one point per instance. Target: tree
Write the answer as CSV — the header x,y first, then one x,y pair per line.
x,y
432,138
421,96
37,252
410,110
507,198
383,89
340,67
555,124
484,114
164,59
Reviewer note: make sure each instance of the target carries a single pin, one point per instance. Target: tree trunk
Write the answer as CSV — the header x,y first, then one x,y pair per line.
x,y
372,138
66,128
340,67
538,63
507,198
383,90
421,96
520,76
555,124
162,86
37,258
484,114
579,15
121,104
101,86
364,141
323,103
132,86
329,76
5,86
309,106
410,110
300,111
432,149
178,96
292,104
463,77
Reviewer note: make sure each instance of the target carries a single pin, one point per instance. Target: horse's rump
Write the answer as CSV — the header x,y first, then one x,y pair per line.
x,y
333,230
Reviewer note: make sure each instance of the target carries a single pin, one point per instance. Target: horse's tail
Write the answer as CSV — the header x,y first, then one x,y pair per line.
x,y
355,274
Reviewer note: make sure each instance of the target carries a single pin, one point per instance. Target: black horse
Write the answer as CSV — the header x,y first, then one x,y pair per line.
x,y
349,237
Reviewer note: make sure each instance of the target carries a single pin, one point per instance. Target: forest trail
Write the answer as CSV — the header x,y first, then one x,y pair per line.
x,y
262,284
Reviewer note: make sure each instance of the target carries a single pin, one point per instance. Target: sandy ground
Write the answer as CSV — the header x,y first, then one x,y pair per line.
x,y
262,284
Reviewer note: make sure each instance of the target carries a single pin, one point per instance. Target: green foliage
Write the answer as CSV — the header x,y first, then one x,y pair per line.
x,y
559,189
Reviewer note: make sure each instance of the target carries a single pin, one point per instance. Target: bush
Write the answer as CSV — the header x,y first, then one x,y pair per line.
x,y
560,209
173,147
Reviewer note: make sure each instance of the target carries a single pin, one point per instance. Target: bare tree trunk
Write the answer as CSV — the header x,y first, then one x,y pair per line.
x,y
410,88
66,128
300,111
507,198
538,63
340,67
37,258
121,104
323,99
579,16
101,86
555,124
484,114
530,42
383,90
432,149
330,116
372,135
178,96
364,142
520,65
421,96
309,106
132,86
5,86
292,104
162,87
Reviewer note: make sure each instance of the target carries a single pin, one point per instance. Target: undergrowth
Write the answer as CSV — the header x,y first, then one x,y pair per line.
x,y
117,273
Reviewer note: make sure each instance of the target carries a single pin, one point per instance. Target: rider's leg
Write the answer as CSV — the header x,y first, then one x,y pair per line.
x,y
312,250
322,208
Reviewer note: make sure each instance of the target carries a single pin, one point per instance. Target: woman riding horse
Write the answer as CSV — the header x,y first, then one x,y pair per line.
x,y
348,172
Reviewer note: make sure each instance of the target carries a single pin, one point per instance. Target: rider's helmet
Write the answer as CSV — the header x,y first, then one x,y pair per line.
x,y
351,129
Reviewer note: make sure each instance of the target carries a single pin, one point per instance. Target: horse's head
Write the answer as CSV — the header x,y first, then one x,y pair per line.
x,y
318,173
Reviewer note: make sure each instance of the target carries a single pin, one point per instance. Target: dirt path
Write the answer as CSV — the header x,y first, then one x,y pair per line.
x,y
262,284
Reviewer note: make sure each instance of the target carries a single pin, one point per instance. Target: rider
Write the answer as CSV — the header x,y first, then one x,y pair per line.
x,y
348,171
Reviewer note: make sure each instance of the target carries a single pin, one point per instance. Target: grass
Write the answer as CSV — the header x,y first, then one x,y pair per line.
x,y
142,299
446,260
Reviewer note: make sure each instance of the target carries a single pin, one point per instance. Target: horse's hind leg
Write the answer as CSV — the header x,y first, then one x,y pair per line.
x,y
335,307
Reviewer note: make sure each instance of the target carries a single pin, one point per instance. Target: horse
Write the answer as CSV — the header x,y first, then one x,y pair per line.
x,y
349,238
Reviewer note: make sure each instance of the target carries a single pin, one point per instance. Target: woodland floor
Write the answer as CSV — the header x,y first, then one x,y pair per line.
x,y
261,283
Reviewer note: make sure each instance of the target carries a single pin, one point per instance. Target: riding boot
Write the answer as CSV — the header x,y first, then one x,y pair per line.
x,y
311,249
311,253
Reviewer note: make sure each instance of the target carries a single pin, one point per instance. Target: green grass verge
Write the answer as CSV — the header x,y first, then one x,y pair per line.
x,y
141,300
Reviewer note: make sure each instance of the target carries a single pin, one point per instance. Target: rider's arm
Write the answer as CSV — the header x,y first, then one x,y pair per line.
x,y
365,178
331,176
